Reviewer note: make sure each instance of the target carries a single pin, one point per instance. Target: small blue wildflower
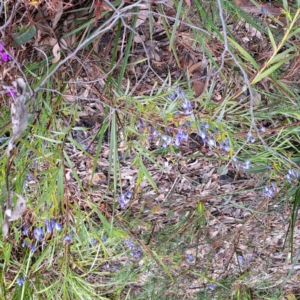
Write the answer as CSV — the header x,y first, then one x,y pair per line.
x,y
38,234
137,252
31,247
189,258
173,96
103,239
115,267
182,94
2,139
25,230
247,165
35,163
106,266
94,241
187,106
68,239
262,129
241,259
141,125
167,140
124,199
20,280
24,244
270,191
212,287
58,226
49,225
180,137
129,243
211,143
225,145
202,134
178,91
289,178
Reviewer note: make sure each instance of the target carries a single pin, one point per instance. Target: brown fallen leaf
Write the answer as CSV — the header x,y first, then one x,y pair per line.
x,y
198,75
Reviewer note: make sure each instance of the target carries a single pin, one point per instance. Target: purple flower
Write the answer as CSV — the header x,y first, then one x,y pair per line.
x,y
58,226
247,165
20,280
173,96
32,247
212,287
262,129
24,244
25,231
103,239
94,241
180,137
38,234
124,198
187,107
241,259
270,191
225,145
189,258
11,93
129,243
6,57
167,140
49,225
106,266
68,239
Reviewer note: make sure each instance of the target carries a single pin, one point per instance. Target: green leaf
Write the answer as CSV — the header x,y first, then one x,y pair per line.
x,y
25,35
145,172
269,71
272,40
245,54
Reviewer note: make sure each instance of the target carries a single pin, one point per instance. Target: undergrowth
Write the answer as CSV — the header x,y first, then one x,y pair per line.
x,y
135,188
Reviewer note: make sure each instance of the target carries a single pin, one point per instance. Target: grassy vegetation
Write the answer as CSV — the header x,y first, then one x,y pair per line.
x,y
134,187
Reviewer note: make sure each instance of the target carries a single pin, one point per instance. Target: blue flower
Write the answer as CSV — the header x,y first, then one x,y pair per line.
x,y
25,231
124,199
129,243
38,234
241,259
167,140
212,287
189,258
68,239
247,165
94,241
103,239
58,226
270,191
180,137
32,247
187,107
20,280
225,145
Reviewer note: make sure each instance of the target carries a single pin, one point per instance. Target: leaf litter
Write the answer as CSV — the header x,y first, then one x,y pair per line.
x,y
238,235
